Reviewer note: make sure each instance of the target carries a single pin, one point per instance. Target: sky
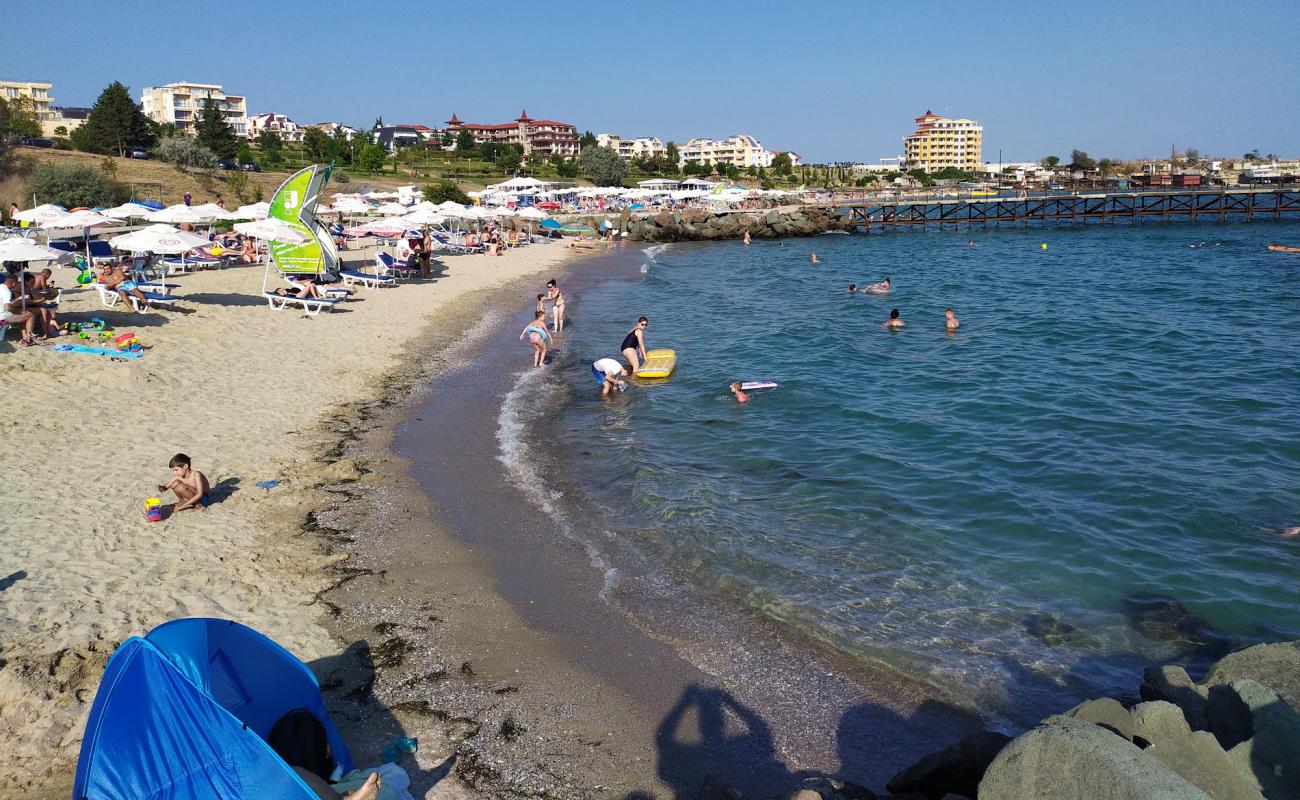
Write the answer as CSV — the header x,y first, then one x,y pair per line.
x,y
834,81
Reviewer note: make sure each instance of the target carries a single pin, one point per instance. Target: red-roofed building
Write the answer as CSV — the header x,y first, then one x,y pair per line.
x,y
544,136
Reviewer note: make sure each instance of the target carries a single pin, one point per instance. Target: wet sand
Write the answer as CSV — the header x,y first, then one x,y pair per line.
x,y
483,620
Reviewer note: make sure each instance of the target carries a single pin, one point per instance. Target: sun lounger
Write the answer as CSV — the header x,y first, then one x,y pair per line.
x,y
110,297
386,263
311,305
174,264
370,280
101,251
447,244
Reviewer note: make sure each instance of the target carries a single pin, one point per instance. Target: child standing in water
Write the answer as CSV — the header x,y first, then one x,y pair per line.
x,y
538,336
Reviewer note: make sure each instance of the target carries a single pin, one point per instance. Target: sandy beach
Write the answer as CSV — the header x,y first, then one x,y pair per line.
x,y
248,393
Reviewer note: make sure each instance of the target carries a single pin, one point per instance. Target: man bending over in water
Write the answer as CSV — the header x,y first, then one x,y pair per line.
x,y
608,373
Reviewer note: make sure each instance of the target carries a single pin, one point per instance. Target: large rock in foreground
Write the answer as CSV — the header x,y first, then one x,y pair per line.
x,y
1070,759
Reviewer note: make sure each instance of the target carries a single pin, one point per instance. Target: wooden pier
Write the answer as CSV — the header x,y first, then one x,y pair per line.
x,y
1219,205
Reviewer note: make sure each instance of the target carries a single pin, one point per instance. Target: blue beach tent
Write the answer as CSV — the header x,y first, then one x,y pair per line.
x,y
187,711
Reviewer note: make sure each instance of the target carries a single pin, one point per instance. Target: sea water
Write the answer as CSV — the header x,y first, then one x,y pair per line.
x,y
1092,474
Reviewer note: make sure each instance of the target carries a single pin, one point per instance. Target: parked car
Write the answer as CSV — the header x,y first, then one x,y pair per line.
x,y
31,141
137,154
251,166
226,163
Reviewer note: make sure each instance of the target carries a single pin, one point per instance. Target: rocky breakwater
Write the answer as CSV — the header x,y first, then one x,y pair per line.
x,y
698,224
1234,736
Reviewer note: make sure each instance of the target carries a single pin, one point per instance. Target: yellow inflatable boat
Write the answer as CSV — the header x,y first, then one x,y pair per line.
x,y
658,364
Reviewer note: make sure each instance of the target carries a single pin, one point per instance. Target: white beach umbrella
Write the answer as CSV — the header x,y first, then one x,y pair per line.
x,y
77,219
177,214
20,249
391,209
384,225
158,238
273,230
255,211
531,212
127,211
420,217
41,214
212,211
351,205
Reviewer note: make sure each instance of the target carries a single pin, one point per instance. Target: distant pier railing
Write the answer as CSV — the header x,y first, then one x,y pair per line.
x,y
1242,204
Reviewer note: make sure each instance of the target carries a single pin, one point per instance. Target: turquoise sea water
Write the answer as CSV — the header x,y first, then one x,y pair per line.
x,y
991,510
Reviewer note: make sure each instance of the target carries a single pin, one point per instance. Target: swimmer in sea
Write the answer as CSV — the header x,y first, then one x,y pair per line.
x,y
878,288
634,344
970,242
746,237
895,322
950,321
853,288
813,259
538,336
741,397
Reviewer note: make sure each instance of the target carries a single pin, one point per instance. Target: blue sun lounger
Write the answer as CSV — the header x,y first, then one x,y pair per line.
x,y
370,280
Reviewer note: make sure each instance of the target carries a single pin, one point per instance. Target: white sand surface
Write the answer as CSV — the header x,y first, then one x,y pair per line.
x,y
244,391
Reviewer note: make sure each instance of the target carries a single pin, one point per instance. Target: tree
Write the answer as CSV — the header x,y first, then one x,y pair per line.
x,y
512,155
535,161
22,119
588,140
315,144
443,191
272,146
8,153
114,125
184,152
782,164
75,186
464,142
489,151
1050,161
447,140
1192,156
238,183
214,133
1253,155
371,157
674,157
1105,165
564,167
1080,160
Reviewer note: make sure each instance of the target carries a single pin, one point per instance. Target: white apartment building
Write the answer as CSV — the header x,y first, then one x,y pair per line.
x,y
741,150
182,103
332,128
644,147
288,130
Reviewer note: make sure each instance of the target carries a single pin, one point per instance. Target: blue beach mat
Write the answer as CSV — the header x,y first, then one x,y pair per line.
x,y
97,351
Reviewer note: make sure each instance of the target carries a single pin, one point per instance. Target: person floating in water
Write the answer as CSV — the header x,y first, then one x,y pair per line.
x,y
741,397
970,242
895,321
950,321
633,347
746,237
813,259
853,288
878,288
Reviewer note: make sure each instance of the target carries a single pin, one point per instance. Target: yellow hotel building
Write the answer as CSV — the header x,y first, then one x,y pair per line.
x,y
940,142
34,92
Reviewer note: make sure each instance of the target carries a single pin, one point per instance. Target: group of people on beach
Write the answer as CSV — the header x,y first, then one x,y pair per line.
x,y
536,331
30,300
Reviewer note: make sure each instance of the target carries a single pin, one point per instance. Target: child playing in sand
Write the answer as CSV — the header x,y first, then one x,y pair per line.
x,y
190,485
741,397
539,336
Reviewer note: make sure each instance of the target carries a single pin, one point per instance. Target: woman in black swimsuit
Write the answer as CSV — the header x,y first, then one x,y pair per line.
x,y
634,344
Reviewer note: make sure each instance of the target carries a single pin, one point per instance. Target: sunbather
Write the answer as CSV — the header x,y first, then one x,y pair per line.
x,y
12,313
114,277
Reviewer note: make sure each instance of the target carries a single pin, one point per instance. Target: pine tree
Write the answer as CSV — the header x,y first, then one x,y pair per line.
x,y
114,125
214,133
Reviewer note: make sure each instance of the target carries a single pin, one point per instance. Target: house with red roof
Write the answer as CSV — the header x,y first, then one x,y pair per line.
x,y
544,136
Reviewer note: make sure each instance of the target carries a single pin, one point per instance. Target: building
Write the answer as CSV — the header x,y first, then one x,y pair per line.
x,y
643,147
288,130
395,137
741,150
543,136
939,143
794,157
64,120
333,129
181,103
34,92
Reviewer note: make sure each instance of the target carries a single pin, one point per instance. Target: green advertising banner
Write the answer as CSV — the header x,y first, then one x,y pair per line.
x,y
295,203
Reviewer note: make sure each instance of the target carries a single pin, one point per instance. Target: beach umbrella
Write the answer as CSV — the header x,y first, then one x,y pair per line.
x,y
127,211
351,205
177,214
20,249
212,211
254,211
273,230
391,209
421,217
158,238
85,220
41,214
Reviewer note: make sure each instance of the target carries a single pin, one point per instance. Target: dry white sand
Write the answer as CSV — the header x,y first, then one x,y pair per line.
x,y
244,391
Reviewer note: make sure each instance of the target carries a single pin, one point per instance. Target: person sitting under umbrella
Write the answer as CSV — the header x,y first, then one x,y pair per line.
x,y
12,312
114,277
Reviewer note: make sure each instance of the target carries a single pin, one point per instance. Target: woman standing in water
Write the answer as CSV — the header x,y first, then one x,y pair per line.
x,y
634,344
556,298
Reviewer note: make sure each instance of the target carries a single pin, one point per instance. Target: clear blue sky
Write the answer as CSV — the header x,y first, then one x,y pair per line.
x,y
832,80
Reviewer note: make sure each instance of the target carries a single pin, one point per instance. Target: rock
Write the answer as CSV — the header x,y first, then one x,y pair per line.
x,y
1052,631
1276,666
715,789
955,797
1157,721
1108,713
955,769
832,788
1174,685
1165,619
1264,732
1070,759
1229,715
808,794
1201,761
